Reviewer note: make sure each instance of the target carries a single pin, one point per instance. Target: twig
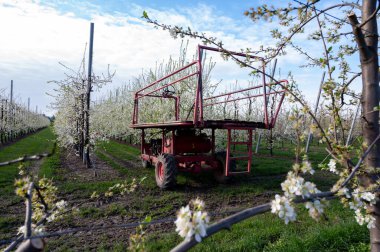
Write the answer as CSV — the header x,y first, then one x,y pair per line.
x,y
357,166
41,198
28,212
29,158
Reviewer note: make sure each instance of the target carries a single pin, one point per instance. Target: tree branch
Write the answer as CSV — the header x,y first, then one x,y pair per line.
x,y
29,158
28,212
365,54
227,222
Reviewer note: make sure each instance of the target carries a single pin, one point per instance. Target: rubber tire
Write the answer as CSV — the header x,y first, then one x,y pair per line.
x,y
168,179
219,173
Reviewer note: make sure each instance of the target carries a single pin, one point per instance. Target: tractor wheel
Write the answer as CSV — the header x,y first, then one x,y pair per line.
x,y
219,174
166,171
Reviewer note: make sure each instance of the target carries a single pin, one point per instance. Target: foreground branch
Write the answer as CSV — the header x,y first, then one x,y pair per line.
x,y
29,158
226,223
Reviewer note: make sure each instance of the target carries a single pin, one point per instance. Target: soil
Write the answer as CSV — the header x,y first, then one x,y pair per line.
x,y
130,207
74,170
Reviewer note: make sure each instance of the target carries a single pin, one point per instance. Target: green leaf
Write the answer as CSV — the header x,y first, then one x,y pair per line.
x,y
330,48
145,15
148,219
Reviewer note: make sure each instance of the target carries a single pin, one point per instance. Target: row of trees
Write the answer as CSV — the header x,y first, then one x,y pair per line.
x,y
17,120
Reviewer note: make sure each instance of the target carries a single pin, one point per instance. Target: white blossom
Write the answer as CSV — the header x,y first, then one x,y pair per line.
x,y
183,223
356,200
282,207
358,196
315,209
35,230
292,185
332,166
309,188
364,219
200,224
198,204
344,191
306,167
61,204
369,197
192,223
296,186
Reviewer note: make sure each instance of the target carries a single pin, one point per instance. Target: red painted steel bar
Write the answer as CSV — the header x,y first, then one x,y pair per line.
x,y
231,52
135,111
167,76
242,90
242,98
228,153
200,53
177,100
265,99
167,85
234,92
274,118
249,149
197,96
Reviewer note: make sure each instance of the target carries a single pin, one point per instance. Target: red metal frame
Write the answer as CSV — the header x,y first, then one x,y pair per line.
x,y
198,161
198,119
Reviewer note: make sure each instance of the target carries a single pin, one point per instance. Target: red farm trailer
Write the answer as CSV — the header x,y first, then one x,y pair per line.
x,y
189,145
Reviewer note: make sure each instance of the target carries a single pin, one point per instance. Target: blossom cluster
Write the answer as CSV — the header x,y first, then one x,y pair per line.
x,y
293,186
282,206
123,188
359,201
57,213
36,230
192,220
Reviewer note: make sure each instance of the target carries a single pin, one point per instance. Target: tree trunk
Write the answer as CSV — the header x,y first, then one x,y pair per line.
x,y
367,41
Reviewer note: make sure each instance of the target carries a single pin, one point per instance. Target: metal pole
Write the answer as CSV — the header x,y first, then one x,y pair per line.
x,y
11,115
260,134
315,112
353,124
87,128
28,116
11,98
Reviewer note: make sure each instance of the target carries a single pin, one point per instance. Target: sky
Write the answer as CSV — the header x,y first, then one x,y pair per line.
x,y
39,35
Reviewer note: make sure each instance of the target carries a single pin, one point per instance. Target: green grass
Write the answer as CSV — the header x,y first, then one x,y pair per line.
x,y
338,232
268,233
50,165
40,142
122,151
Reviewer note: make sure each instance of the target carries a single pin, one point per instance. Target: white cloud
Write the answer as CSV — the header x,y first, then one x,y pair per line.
x,y
35,37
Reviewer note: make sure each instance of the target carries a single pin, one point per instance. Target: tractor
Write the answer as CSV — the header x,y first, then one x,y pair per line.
x,y
185,145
